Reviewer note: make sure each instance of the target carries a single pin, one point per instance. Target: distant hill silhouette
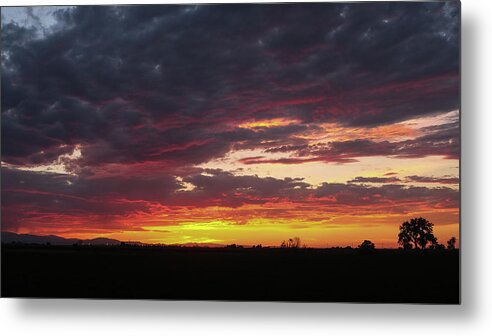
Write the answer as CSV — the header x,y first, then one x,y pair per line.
x,y
11,237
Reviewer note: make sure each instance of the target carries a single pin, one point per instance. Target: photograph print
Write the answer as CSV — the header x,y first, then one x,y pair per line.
x,y
240,152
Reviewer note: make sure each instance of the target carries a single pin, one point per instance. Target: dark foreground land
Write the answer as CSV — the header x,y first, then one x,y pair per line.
x,y
335,275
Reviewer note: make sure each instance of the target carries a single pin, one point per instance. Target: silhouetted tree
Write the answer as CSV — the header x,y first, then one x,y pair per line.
x,y
294,243
234,246
407,246
436,246
367,245
416,233
451,243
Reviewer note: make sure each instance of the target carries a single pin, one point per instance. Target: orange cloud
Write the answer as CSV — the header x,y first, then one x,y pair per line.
x,y
266,123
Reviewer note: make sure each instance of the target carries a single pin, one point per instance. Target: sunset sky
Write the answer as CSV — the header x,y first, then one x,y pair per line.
x,y
245,124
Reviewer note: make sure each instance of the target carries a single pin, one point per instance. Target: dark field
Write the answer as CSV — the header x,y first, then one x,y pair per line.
x,y
335,275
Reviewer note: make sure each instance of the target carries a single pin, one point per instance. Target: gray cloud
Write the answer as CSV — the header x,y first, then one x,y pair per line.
x,y
130,78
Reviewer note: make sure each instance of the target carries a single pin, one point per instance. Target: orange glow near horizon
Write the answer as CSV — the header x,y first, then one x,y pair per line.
x,y
337,218
251,225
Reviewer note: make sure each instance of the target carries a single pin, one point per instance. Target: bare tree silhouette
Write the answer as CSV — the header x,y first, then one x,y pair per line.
x,y
416,233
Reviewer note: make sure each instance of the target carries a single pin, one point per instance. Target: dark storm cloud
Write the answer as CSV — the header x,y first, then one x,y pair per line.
x,y
38,195
69,193
33,196
155,188
431,179
220,188
362,179
148,92
443,140
389,195
266,137
129,83
217,187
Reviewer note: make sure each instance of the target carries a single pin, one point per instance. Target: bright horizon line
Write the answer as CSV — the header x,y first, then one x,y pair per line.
x,y
378,244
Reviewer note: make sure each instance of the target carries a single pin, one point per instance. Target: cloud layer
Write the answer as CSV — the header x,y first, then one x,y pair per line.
x,y
148,94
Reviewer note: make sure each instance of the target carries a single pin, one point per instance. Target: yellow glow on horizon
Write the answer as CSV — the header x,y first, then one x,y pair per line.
x,y
334,230
317,236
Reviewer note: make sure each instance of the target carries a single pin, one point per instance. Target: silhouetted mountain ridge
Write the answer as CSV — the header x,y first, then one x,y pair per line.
x,y
11,237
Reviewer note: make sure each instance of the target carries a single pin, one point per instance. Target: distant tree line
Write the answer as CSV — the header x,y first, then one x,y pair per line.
x,y
417,233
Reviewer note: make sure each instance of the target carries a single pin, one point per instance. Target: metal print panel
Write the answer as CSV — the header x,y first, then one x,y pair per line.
x,y
269,152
